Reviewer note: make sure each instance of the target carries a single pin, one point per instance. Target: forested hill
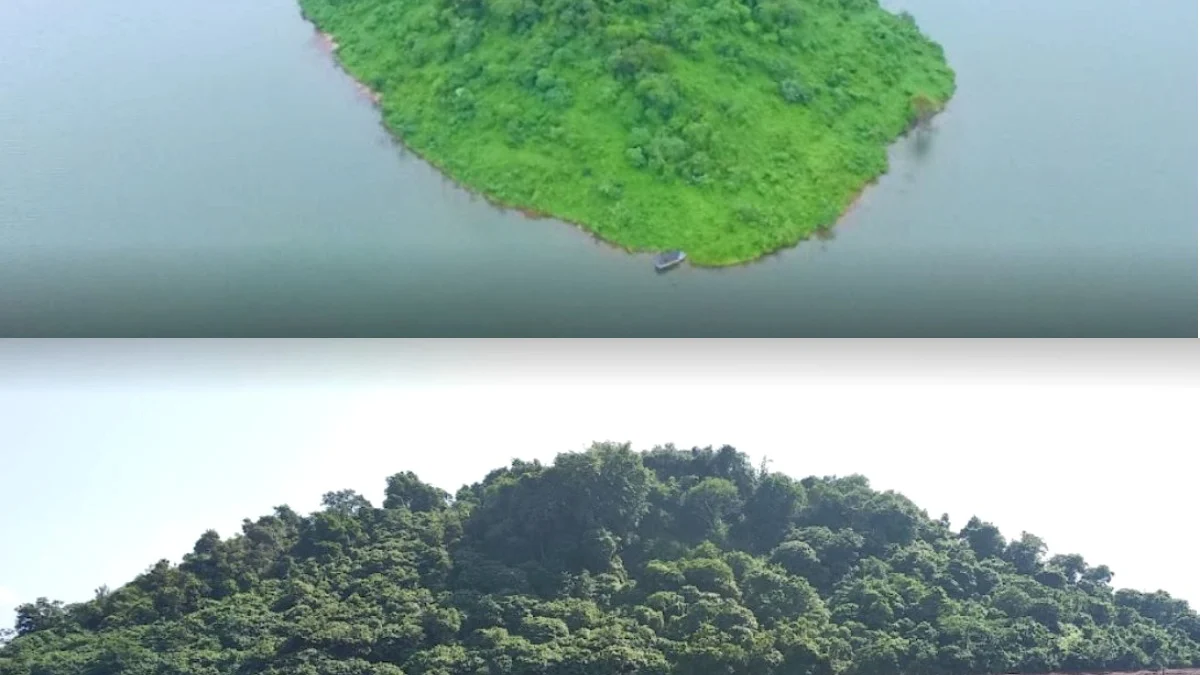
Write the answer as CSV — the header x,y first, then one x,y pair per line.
x,y
671,562
728,128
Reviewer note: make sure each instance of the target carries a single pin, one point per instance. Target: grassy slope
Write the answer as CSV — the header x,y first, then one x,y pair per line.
x,y
538,113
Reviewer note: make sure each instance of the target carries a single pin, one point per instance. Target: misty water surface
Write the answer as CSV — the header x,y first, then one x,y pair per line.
x,y
200,167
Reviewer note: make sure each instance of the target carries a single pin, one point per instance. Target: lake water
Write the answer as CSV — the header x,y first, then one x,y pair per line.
x,y
201,167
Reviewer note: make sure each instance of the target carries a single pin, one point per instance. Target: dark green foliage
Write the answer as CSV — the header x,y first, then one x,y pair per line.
x,y
671,562
405,490
793,91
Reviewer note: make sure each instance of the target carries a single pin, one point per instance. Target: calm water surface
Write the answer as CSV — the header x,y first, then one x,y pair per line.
x,y
200,167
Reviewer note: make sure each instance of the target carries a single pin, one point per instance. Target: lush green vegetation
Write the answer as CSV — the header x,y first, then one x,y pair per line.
x,y
727,128
607,562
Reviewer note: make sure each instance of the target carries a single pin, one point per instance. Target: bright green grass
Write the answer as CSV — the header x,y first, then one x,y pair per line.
x,y
654,124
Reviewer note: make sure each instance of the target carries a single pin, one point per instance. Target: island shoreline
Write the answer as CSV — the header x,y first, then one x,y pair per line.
x,y
329,42
330,46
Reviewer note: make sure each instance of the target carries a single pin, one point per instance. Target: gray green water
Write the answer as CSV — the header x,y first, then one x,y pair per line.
x,y
200,167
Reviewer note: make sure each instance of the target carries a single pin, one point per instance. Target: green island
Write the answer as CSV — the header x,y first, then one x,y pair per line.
x,y
611,562
725,128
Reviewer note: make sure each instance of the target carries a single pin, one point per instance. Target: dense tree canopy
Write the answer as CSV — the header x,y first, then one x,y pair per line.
x,y
727,128
671,562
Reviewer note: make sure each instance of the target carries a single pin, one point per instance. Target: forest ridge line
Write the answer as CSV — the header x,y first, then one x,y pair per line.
x,y
666,562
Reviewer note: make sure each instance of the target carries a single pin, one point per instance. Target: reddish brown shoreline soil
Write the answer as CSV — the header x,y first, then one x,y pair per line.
x,y
330,46
1169,671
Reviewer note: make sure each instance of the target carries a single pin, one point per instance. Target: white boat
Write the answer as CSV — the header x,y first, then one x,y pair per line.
x,y
668,259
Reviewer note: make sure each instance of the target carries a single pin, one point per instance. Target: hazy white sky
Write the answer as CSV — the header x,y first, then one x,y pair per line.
x,y
113,457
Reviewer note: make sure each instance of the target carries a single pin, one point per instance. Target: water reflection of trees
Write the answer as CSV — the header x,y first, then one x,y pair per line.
x,y
924,110
823,235
922,140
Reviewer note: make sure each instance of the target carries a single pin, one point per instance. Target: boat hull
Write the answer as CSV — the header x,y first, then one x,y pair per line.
x,y
662,265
